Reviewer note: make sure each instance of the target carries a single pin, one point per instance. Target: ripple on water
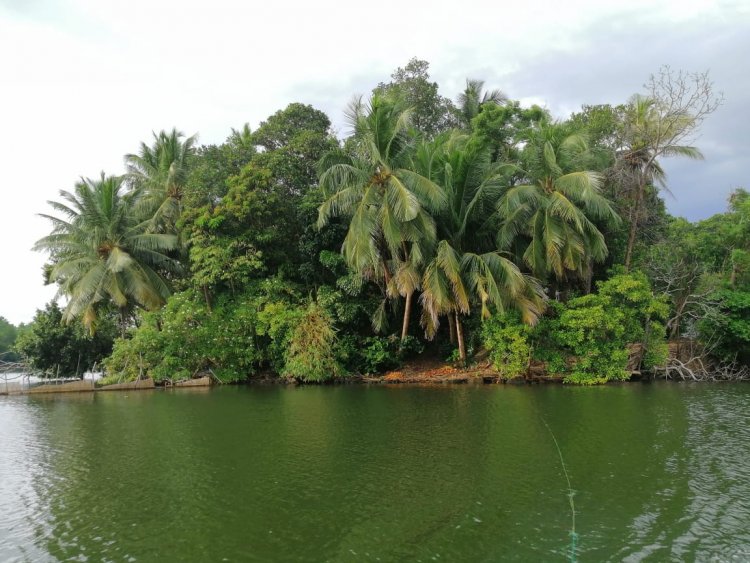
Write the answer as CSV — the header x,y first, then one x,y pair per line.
x,y
405,474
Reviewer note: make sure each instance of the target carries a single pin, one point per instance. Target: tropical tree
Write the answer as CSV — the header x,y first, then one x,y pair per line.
x,y
8,335
211,165
411,86
467,268
638,162
471,100
661,124
100,254
57,349
504,128
554,209
388,204
160,173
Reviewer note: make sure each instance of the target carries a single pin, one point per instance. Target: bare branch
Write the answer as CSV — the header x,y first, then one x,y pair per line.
x,y
683,100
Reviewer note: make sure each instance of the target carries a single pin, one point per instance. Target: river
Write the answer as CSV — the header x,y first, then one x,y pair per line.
x,y
659,472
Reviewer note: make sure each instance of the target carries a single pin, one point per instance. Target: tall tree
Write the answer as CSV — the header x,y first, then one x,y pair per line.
x,y
388,204
662,124
467,268
213,164
411,85
472,100
554,209
100,254
257,200
504,128
159,173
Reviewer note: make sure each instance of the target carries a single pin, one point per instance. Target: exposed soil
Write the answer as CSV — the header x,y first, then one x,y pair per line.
x,y
433,370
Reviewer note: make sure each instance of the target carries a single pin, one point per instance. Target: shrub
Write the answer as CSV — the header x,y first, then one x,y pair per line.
x,y
186,338
409,347
136,356
594,334
507,340
730,325
596,329
380,354
276,322
312,351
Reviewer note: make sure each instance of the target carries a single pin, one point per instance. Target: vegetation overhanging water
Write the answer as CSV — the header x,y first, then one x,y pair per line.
x,y
479,230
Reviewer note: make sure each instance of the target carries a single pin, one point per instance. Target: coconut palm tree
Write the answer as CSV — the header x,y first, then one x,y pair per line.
x,y
387,203
471,100
467,268
159,172
553,212
101,255
650,132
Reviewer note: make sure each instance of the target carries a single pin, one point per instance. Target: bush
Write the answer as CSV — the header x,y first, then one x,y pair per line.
x,y
312,350
380,354
186,338
136,356
66,349
730,325
507,340
594,333
409,347
276,322
587,339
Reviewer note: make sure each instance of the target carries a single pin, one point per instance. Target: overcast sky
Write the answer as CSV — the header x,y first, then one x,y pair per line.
x,y
82,82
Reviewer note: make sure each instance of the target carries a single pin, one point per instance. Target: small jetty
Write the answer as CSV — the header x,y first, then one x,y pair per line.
x,y
69,387
89,386
138,384
197,382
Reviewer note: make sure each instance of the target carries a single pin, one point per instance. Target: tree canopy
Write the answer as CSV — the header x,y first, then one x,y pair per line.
x,y
475,223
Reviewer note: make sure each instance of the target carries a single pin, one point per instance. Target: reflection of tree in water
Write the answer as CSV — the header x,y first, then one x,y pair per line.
x,y
333,473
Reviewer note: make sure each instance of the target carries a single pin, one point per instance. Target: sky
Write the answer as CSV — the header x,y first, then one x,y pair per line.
x,y
83,82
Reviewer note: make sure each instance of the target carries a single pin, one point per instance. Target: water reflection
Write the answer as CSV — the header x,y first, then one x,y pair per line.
x,y
371,473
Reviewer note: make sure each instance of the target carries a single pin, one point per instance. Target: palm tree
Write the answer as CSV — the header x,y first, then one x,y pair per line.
x,y
553,211
467,268
101,255
159,172
471,100
388,204
650,132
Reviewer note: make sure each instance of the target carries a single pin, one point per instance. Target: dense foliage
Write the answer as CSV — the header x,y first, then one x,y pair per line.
x,y
436,227
597,331
54,348
8,335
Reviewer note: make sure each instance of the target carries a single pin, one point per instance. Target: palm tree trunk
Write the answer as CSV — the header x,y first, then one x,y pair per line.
x,y
589,274
460,336
407,316
452,327
634,225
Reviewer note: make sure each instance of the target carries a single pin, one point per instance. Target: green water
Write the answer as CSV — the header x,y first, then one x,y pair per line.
x,y
357,473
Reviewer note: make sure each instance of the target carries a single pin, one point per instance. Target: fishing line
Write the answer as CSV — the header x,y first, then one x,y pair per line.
x,y
571,493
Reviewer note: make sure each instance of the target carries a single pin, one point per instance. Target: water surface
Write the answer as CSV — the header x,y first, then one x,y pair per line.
x,y
355,473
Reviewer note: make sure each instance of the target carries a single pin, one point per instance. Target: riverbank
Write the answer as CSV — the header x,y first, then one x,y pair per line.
x,y
422,370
